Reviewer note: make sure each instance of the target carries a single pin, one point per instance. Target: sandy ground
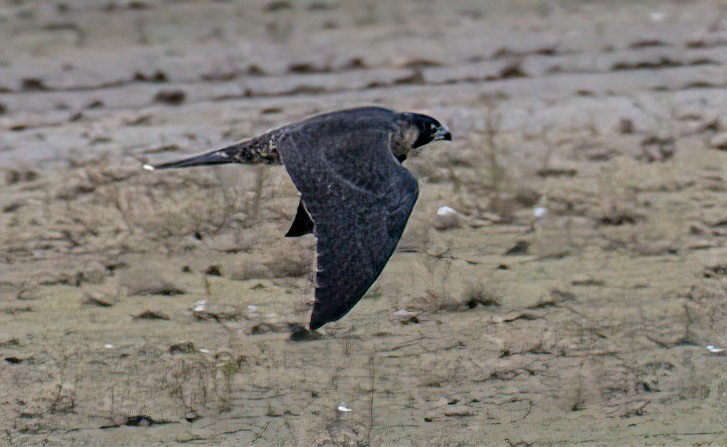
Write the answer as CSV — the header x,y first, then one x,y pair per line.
x,y
587,325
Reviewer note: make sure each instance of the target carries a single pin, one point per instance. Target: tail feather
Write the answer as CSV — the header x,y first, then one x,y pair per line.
x,y
217,157
262,149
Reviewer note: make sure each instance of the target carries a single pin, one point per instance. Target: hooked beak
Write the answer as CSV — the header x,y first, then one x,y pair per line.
x,y
443,134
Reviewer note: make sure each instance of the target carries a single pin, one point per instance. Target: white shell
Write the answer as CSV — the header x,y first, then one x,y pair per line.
x,y
445,211
200,306
405,314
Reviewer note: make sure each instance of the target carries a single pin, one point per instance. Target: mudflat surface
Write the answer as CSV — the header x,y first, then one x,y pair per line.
x,y
569,302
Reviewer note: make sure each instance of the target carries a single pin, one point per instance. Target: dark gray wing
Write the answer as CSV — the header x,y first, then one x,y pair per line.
x,y
359,197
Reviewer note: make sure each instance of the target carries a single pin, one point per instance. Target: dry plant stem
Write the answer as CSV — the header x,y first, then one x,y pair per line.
x,y
372,378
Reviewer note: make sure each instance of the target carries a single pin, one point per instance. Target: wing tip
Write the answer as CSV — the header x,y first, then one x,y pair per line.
x,y
316,322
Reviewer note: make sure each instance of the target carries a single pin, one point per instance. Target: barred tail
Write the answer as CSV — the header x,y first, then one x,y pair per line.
x,y
262,149
218,157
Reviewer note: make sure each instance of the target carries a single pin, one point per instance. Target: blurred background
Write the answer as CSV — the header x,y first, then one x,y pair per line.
x,y
562,279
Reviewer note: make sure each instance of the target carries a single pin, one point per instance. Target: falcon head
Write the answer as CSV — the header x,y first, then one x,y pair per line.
x,y
428,129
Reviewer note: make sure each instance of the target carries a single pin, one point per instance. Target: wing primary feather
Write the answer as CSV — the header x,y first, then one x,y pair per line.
x,y
302,223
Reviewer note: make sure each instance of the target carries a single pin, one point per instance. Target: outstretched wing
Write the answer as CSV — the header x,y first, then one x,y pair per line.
x,y
359,197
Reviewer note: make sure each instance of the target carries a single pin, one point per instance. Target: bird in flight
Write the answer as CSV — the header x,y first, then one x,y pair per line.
x,y
356,196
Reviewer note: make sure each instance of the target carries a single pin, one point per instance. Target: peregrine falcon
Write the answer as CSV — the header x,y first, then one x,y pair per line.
x,y
355,194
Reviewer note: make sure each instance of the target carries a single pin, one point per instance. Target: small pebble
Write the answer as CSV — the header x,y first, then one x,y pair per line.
x,y
447,217
540,211
445,211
